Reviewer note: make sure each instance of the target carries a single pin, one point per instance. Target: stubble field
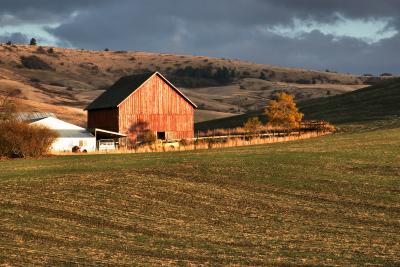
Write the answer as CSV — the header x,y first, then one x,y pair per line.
x,y
332,200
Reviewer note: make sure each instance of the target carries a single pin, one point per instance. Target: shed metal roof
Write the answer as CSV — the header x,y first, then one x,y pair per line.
x,y
64,129
73,133
33,116
124,87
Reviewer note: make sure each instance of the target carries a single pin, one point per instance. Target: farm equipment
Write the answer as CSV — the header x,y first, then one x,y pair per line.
x,y
168,144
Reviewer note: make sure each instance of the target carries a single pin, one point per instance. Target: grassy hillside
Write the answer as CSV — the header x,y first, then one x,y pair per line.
x,y
372,103
376,102
64,81
229,122
305,203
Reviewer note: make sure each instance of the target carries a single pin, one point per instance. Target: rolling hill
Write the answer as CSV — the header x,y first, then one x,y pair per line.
x,y
376,102
64,81
371,103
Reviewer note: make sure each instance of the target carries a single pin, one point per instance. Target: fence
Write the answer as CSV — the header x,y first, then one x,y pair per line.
x,y
202,143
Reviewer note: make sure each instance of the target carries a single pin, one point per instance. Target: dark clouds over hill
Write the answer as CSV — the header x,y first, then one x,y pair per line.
x,y
244,29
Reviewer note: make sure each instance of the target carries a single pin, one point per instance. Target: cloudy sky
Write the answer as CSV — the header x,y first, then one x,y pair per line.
x,y
358,36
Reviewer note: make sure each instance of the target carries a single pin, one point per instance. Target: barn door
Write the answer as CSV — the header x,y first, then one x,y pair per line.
x,y
161,136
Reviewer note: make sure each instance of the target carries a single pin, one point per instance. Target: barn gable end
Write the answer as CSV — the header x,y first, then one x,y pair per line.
x,y
126,86
148,102
157,106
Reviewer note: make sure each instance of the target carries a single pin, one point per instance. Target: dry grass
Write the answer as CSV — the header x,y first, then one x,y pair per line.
x,y
202,144
77,77
325,201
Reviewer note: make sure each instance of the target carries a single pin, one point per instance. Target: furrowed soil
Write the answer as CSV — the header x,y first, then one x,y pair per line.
x,y
332,200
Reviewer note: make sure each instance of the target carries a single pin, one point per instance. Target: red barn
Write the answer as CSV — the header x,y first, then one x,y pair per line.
x,y
139,103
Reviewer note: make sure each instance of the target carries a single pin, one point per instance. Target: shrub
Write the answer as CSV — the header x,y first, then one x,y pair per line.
x,y
246,74
20,140
40,50
272,74
89,66
50,50
33,42
34,80
56,84
149,137
201,76
252,125
263,76
304,81
386,74
184,142
34,62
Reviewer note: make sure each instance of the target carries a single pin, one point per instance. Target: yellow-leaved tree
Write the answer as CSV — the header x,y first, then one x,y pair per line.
x,y
283,112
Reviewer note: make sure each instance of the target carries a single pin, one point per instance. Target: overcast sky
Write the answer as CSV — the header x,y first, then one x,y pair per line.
x,y
358,36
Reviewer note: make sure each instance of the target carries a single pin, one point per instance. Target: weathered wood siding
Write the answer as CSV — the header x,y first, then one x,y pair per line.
x,y
156,106
106,119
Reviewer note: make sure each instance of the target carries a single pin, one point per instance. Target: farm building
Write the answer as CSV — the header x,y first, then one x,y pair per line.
x,y
141,103
69,135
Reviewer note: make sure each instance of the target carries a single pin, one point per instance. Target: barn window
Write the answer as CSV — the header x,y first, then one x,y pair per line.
x,y
161,136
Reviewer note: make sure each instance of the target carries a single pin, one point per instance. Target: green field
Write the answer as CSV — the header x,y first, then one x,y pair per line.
x,y
333,200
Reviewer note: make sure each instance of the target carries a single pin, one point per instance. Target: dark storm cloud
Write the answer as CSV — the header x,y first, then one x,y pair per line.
x,y
320,51
13,12
225,28
14,38
46,6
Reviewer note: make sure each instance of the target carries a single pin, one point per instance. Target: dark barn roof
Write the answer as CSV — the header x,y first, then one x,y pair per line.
x,y
123,88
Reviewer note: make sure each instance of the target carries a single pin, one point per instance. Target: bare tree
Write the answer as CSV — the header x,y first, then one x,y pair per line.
x,y
7,106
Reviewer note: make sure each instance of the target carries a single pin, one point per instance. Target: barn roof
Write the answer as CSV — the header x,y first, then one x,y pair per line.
x,y
124,87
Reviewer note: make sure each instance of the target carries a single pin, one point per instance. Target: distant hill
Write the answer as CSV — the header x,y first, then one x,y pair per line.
x,y
64,81
372,103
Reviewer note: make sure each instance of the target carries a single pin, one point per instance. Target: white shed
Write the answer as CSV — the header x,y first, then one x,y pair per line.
x,y
69,135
